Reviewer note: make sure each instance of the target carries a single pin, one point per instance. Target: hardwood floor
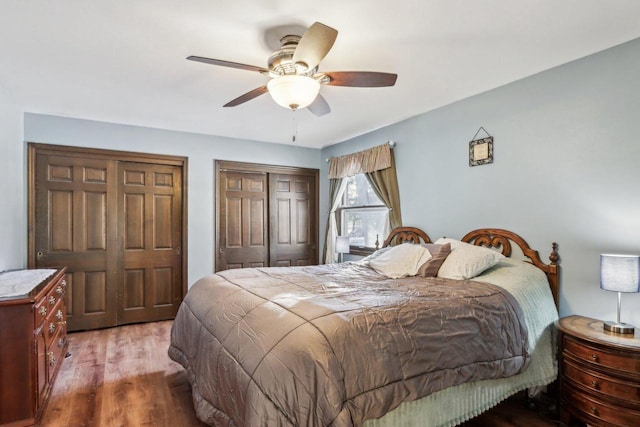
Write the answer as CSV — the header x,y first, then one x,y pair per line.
x,y
123,377
515,413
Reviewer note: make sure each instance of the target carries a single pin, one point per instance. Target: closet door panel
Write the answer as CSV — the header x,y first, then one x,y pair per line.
x,y
75,226
292,220
242,230
151,214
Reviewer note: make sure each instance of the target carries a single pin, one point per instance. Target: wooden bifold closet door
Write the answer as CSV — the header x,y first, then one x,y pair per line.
x,y
266,216
116,220
150,216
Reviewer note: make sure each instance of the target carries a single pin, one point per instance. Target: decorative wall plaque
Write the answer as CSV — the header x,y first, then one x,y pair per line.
x,y
481,150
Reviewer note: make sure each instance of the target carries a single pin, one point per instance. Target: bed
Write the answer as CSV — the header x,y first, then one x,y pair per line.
x,y
347,345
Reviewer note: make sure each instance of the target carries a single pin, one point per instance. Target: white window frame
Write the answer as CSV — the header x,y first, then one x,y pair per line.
x,y
340,215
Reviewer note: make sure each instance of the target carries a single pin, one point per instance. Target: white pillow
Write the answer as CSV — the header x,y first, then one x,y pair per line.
x,y
400,261
466,261
366,260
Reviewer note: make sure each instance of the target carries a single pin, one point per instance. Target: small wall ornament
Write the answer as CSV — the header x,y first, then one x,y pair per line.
x,y
481,150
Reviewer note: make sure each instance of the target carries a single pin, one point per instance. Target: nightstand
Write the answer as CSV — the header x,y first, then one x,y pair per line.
x,y
599,374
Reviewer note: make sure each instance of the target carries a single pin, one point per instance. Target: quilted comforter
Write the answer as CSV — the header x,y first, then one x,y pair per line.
x,y
334,345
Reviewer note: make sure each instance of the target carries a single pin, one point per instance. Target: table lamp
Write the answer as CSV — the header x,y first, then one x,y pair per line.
x,y
342,246
619,273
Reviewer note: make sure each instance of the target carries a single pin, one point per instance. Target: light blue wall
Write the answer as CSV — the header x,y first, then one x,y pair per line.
x,y
565,170
13,211
202,151
567,148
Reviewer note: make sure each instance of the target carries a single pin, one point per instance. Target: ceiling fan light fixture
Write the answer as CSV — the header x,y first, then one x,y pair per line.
x,y
295,81
293,91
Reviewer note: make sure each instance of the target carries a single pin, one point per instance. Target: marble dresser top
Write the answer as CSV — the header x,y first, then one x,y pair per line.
x,y
16,283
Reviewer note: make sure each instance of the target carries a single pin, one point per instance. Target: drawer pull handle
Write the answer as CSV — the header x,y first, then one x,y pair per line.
x,y
60,342
594,410
59,290
43,311
52,327
594,357
59,314
52,300
594,384
52,358
64,282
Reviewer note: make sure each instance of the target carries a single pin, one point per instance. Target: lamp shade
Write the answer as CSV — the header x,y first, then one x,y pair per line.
x,y
620,273
293,91
342,244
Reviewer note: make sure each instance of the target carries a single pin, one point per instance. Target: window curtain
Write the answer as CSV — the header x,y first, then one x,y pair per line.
x,y
378,165
373,159
385,184
336,189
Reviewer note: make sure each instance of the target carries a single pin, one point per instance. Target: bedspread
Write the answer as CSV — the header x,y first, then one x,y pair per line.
x,y
334,345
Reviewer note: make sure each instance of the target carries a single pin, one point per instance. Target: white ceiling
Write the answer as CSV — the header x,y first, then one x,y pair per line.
x,y
123,61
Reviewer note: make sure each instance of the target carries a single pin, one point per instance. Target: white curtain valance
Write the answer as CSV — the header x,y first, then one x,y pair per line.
x,y
373,159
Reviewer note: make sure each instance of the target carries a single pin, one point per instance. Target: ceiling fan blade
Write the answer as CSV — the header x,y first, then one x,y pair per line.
x,y
314,45
227,64
319,106
361,78
247,96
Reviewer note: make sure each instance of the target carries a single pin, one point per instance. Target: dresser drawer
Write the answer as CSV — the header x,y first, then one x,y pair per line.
x,y
55,353
56,293
44,307
40,311
628,392
620,361
55,320
592,410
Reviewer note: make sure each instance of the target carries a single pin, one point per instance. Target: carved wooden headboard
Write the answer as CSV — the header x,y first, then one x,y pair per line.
x,y
501,239
401,235
494,238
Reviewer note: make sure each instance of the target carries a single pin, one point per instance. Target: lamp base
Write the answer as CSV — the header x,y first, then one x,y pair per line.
x,y
619,328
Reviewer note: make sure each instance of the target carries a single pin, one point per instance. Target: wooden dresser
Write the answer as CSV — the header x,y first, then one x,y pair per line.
x,y
33,341
599,374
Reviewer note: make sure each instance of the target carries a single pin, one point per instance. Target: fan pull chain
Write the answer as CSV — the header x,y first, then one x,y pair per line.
x,y
295,127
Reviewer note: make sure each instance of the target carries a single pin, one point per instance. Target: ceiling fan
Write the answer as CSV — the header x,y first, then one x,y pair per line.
x,y
295,79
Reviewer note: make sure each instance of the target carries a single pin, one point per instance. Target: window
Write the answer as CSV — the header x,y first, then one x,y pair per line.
x,y
362,215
